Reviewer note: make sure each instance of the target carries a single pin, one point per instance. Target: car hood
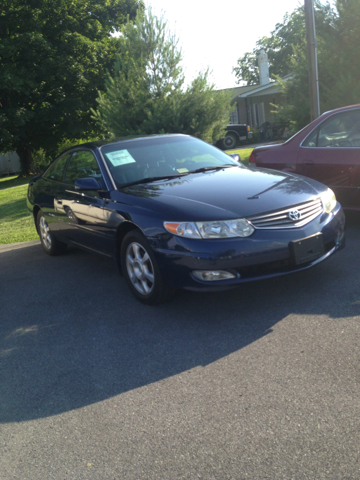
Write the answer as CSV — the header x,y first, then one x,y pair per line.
x,y
228,193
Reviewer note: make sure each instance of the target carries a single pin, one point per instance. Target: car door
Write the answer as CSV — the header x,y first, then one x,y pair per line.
x,y
85,221
331,155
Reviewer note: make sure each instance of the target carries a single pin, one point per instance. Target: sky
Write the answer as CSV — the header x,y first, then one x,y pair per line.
x,y
216,34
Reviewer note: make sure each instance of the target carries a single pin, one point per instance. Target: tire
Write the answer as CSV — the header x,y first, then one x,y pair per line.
x,y
50,244
229,141
141,271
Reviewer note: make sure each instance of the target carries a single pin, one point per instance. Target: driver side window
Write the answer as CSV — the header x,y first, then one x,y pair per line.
x,y
82,165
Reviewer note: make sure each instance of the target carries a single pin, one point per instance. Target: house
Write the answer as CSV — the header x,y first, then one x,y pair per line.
x,y
253,103
9,163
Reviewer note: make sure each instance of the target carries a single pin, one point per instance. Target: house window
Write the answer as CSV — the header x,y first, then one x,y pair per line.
x,y
234,118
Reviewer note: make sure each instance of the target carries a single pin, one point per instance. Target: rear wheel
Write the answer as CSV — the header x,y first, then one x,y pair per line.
x,y
141,271
50,244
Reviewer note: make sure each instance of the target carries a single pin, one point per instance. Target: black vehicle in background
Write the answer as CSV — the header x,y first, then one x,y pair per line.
x,y
235,134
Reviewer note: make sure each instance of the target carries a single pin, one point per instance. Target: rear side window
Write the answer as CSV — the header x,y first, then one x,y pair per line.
x,y
56,170
340,130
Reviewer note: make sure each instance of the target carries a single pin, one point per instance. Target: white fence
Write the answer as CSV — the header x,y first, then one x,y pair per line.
x,y
9,164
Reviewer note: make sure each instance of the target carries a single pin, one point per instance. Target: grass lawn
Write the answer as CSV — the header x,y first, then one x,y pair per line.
x,y
13,181
244,154
16,222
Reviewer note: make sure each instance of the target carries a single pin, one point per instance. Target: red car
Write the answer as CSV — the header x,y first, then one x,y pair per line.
x,y
327,150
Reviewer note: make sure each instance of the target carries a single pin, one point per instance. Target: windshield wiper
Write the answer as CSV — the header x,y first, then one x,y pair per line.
x,y
153,179
214,167
176,175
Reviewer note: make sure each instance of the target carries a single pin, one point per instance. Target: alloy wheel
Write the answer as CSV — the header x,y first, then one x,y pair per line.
x,y
45,233
140,268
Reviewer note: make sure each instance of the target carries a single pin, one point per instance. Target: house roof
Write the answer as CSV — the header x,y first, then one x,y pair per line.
x,y
255,90
239,90
268,89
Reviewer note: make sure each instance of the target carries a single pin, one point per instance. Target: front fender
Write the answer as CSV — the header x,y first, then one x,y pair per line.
x,y
234,132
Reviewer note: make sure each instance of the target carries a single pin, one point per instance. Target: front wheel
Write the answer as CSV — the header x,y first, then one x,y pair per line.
x,y
141,271
50,244
229,141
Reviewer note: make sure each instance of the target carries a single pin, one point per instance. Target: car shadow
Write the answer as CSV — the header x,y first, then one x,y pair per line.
x,y
73,335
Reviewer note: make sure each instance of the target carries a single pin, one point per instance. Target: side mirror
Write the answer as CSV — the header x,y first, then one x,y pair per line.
x,y
236,157
87,184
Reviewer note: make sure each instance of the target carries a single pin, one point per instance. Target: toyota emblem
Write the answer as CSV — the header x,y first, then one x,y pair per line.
x,y
294,215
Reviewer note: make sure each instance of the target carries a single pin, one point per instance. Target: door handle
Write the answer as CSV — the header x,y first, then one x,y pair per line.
x,y
309,164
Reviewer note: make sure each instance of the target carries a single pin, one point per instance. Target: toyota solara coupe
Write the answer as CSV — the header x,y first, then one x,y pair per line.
x,y
176,212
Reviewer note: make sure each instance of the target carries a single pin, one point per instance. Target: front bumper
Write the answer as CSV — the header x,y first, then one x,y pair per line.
x,y
265,254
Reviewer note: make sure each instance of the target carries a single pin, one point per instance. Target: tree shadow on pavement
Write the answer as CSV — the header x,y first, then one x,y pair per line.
x,y
73,335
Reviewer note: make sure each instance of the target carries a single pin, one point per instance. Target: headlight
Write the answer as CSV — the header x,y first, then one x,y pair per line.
x,y
225,228
184,229
328,200
214,229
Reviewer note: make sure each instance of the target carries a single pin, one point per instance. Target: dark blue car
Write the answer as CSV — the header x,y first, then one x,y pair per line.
x,y
176,212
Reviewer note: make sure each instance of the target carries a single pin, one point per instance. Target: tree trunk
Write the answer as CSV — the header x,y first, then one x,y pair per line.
x,y
26,159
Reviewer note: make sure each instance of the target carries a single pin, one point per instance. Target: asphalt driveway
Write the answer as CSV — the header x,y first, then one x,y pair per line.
x,y
261,382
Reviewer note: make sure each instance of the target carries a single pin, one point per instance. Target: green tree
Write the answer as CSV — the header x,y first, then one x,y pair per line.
x,y
53,58
338,70
147,93
342,86
338,37
280,44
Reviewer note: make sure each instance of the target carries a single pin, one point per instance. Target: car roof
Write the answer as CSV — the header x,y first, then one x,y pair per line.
x,y
342,109
101,143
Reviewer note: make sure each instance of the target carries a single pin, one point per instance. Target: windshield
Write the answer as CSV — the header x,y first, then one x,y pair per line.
x,y
156,157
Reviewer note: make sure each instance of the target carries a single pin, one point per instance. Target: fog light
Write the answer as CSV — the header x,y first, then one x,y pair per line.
x,y
212,275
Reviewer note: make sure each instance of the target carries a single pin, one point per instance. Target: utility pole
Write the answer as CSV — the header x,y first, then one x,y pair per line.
x,y
312,59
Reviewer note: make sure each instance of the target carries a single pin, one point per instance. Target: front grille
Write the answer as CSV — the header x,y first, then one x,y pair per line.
x,y
277,266
282,218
